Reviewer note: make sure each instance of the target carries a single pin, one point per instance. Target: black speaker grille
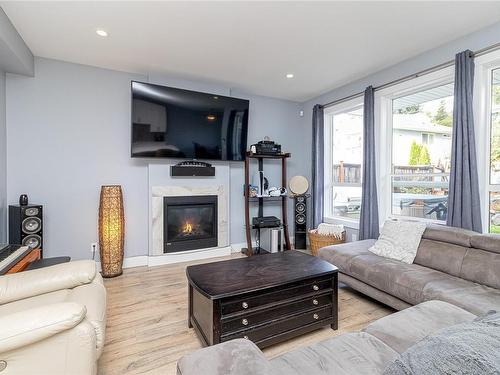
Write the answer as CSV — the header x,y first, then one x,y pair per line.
x,y
300,208
33,240
31,225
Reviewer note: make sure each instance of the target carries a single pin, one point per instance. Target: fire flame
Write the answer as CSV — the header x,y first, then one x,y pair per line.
x,y
187,228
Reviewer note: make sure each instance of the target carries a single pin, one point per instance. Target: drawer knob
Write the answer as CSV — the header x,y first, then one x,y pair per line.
x,y
316,316
315,302
315,287
244,305
244,322
245,337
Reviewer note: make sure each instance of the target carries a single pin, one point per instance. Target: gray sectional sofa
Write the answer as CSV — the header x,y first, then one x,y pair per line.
x,y
452,265
367,352
454,278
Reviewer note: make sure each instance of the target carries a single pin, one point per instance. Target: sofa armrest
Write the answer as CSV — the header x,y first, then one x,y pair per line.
x,y
235,357
29,326
45,280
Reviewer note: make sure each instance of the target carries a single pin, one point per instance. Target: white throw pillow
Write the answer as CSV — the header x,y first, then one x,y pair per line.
x,y
399,240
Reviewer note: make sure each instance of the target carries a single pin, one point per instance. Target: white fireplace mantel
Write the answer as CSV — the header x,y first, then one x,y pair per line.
x,y
161,184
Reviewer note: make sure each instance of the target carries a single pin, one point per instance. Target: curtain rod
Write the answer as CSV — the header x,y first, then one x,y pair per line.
x,y
435,68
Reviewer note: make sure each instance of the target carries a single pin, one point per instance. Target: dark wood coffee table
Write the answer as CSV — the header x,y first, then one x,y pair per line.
x,y
267,298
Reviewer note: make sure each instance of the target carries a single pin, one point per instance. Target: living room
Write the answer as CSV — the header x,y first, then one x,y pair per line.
x,y
186,190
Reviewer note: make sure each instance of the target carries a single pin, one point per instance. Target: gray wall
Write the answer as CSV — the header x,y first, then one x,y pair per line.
x,y
3,162
15,56
481,39
78,119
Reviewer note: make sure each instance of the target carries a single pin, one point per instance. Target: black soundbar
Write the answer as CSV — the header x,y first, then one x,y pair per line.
x,y
191,171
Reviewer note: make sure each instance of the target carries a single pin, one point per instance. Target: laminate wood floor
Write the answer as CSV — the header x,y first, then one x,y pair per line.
x,y
147,328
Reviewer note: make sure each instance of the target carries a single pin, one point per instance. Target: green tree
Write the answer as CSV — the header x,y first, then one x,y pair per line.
x,y
414,153
410,110
495,138
424,158
496,94
419,155
442,116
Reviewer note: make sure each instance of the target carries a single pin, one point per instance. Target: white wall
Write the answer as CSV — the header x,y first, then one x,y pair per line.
x,y
76,121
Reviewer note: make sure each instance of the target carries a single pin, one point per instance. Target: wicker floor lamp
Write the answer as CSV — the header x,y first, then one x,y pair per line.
x,y
111,230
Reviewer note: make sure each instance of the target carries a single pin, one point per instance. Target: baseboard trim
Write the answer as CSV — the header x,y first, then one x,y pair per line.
x,y
137,261
236,247
187,256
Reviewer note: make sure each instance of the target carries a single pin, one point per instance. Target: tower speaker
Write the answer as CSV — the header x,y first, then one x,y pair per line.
x,y
26,225
300,221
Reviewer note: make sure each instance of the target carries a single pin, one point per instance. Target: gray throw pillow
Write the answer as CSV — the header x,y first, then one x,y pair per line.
x,y
470,348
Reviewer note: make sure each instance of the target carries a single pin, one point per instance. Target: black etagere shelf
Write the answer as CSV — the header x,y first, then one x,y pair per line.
x,y
250,250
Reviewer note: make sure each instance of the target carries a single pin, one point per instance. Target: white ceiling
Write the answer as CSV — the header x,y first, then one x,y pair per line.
x,y
247,45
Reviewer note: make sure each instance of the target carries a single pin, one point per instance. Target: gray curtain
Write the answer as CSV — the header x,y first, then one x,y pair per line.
x,y
464,209
317,165
368,223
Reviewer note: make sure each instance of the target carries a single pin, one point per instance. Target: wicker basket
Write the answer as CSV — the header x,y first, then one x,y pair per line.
x,y
317,241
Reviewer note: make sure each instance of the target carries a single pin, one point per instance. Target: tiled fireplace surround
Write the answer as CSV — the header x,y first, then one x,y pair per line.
x,y
161,184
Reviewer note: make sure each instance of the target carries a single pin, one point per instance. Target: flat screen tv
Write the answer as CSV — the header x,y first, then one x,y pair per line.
x,y
173,123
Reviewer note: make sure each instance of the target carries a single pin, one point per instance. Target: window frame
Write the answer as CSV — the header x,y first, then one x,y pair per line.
x,y
484,66
329,112
384,133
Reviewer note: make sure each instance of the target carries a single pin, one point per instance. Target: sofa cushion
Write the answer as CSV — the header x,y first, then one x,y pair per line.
x,y
482,267
372,292
466,348
488,242
475,298
405,328
351,353
441,256
92,296
235,357
341,255
404,281
442,233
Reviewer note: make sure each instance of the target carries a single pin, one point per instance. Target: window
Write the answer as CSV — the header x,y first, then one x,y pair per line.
x,y
344,155
494,201
421,152
427,139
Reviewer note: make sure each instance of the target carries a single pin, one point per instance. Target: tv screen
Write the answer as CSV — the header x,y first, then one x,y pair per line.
x,y
173,123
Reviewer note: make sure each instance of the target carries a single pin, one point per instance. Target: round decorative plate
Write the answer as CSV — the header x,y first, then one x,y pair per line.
x,y
298,185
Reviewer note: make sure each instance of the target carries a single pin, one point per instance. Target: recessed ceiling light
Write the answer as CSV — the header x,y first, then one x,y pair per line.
x,y
289,75
101,32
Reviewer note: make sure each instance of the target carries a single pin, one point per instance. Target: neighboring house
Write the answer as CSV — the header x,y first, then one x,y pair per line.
x,y
409,128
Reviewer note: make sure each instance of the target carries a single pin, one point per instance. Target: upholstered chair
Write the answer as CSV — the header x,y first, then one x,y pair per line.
x,y
52,320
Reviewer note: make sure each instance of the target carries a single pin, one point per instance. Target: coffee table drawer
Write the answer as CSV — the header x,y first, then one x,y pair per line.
x,y
286,324
253,300
249,319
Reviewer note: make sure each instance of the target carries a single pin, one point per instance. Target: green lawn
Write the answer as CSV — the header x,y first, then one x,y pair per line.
x,y
495,229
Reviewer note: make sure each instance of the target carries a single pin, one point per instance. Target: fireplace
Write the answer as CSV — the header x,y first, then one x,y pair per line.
x,y
189,222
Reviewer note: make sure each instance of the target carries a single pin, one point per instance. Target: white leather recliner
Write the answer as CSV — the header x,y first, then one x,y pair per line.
x,y
52,320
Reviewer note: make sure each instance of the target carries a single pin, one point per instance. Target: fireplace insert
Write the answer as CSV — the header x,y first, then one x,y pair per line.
x,y
189,222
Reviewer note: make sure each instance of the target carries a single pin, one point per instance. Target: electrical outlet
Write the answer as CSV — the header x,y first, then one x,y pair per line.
x,y
93,249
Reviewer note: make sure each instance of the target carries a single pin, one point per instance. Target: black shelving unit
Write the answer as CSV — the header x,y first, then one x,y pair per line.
x,y
250,250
